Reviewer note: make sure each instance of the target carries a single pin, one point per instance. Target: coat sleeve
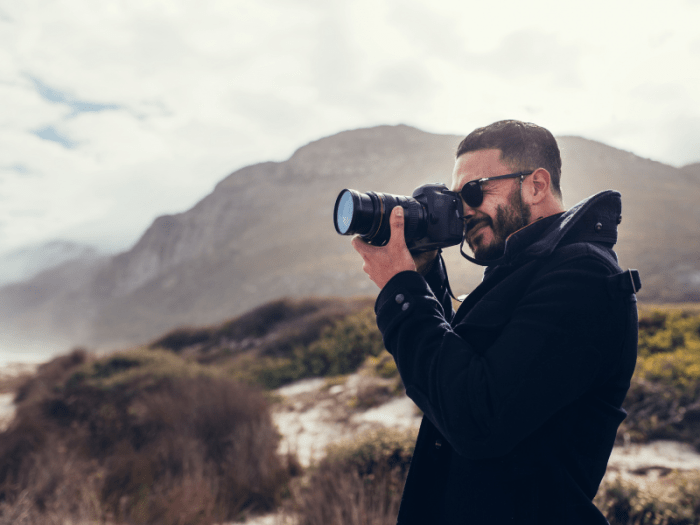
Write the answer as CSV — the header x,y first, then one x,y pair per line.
x,y
437,281
498,375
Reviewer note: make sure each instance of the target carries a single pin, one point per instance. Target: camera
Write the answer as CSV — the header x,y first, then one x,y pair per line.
x,y
432,217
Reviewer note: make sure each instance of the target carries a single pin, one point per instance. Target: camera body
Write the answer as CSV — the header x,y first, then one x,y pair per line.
x,y
432,217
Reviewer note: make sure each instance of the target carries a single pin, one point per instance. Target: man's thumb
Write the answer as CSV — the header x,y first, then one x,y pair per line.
x,y
396,223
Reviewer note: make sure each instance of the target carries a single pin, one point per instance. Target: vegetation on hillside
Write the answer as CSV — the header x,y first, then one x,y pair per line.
x,y
671,499
180,431
359,482
664,398
176,432
138,437
284,341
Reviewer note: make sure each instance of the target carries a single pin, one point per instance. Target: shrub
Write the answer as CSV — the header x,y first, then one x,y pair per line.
x,y
384,365
140,436
667,330
285,341
359,482
672,499
340,349
272,329
181,338
263,319
662,402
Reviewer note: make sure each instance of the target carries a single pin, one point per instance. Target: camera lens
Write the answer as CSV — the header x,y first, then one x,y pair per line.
x,y
343,216
355,212
432,217
367,214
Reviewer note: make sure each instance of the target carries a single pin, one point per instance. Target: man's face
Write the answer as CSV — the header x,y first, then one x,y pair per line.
x,y
499,215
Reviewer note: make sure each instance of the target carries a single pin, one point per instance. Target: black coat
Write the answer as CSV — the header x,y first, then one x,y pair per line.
x,y
522,387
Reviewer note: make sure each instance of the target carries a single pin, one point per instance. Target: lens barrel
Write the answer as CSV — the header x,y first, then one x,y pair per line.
x,y
367,214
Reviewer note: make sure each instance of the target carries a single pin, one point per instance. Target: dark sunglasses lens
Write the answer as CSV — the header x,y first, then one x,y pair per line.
x,y
471,193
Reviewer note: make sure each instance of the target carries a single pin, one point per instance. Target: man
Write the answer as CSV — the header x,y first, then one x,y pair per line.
x,y
522,387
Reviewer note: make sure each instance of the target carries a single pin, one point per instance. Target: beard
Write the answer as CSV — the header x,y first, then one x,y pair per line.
x,y
509,219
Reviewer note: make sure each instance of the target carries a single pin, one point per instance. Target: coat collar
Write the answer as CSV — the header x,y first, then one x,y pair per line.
x,y
594,219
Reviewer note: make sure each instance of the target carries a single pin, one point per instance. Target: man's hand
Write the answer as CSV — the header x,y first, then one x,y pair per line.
x,y
383,262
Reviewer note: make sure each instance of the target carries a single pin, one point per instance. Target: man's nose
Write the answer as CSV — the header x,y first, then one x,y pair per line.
x,y
467,211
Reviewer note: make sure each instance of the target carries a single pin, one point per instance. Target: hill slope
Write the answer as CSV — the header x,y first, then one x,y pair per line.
x,y
266,232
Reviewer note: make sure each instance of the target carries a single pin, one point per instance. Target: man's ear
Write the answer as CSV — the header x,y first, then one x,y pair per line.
x,y
540,185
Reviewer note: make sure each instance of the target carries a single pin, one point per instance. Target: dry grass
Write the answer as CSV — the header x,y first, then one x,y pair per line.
x,y
139,437
673,498
360,482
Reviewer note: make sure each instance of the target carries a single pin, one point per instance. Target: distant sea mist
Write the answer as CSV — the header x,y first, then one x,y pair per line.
x,y
20,349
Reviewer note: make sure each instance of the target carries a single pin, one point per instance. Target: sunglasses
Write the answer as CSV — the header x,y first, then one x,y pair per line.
x,y
472,193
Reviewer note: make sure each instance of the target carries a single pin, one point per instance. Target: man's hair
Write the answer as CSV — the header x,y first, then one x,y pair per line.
x,y
524,146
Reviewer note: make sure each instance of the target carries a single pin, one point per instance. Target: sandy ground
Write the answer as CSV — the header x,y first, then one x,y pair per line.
x,y
7,410
8,373
313,415
655,455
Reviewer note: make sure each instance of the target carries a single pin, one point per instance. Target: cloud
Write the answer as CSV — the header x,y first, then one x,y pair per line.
x,y
525,56
694,46
50,133
681,134
117,112
77,106
406,80
18,168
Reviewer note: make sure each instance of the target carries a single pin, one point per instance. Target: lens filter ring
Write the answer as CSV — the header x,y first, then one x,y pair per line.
x,y
355,212
344,212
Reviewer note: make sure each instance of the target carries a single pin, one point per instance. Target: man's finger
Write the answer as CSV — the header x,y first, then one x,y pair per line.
x,y
361,246
357,243
396,224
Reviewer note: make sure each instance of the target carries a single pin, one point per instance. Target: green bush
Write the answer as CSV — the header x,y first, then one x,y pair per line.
x,y
663,399
340,349
383,365
284,341
669,349
271,330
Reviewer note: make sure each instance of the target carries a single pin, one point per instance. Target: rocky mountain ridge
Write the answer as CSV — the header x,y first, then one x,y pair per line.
x,y
266,232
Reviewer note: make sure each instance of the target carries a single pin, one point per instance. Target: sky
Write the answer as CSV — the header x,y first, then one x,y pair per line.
x,y
112,113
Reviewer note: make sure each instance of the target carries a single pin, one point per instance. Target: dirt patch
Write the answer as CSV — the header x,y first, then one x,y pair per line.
x,y
317,412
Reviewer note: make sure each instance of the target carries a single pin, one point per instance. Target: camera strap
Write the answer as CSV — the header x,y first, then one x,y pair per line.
x,y
448,288
493,262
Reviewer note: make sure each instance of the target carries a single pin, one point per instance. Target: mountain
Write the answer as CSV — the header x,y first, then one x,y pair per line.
x,y
24,263
266,232
692,171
